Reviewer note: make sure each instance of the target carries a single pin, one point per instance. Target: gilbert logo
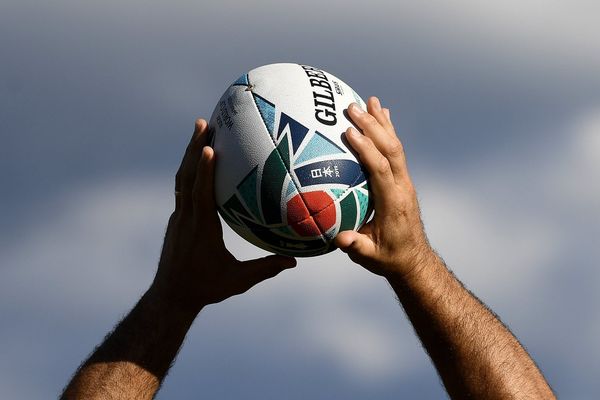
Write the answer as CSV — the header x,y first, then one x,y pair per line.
x,y
322,96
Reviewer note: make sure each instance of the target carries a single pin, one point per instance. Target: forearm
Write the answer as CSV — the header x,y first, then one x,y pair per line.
x,y
135,357
474,353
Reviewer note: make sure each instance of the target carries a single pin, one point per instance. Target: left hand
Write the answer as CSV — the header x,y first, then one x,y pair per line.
x,y
195,268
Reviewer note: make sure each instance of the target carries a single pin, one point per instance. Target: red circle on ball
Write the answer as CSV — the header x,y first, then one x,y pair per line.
x,y
311,213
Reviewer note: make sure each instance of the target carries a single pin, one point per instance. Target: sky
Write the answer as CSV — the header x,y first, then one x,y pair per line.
x,y
497,105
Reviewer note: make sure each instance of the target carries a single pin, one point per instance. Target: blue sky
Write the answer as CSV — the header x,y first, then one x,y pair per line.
x,y
497,104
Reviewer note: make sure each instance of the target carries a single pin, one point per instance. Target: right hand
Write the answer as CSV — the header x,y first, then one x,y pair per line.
x,y
393,244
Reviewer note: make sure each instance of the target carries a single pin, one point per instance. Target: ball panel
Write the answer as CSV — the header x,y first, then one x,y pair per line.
x,y
316,201
247,190
365,205
307,227
326,218
273,176
266,110
349,212
237,147
296,210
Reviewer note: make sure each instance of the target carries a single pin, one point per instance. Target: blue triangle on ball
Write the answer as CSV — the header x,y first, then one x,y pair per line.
x,y
297,130
291,189
267,111
318,146
241,81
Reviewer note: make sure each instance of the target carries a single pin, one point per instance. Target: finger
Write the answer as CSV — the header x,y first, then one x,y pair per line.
x,y
203,194
185,177
387,143
374,108
191,156
358,246
256,271
386,111
378,167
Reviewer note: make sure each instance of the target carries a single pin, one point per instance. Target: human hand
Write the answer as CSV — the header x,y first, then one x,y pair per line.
x,y
393,243
195,268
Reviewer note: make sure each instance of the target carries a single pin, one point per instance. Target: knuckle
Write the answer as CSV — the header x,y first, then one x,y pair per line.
x,y
369,142
383,166
364,145
367,119
370,120
395,148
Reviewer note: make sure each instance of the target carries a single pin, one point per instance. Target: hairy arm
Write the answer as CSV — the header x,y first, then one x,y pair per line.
x,y
195,270
135,357
475,355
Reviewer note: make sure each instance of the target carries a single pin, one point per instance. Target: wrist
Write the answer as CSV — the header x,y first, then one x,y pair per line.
x,y
414,269
171,303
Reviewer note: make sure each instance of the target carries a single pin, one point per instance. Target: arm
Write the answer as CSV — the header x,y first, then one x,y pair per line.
x,y
474,353
195,270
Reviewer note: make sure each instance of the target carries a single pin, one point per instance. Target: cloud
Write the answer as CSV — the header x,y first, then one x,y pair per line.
x,y
127,79
577,166
105,235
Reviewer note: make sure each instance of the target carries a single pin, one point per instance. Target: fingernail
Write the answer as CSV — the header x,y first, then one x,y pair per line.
x,y
203,154
353,132
356,108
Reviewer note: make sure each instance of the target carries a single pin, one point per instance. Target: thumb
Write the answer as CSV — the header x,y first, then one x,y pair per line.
x,y
357,245
259,269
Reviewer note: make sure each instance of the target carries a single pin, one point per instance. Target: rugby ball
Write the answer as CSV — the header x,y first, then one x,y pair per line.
x,y
285,178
